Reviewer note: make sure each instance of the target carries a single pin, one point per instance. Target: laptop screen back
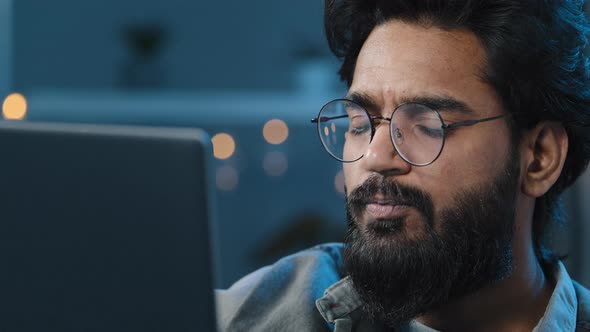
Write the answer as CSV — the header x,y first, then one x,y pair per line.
x,y
104,228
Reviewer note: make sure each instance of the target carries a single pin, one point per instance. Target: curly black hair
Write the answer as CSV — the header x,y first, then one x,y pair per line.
x,y
535,61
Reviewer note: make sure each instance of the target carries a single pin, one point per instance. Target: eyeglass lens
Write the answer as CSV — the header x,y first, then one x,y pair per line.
x,y
416,131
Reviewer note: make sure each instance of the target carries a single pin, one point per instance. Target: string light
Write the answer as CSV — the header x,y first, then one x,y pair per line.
x,y
275,131
224,146
14,107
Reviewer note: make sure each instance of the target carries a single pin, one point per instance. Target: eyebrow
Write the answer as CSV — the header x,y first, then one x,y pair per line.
x,y
441,103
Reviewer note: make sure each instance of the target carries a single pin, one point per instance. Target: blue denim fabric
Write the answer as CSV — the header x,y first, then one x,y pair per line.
x,y
307,292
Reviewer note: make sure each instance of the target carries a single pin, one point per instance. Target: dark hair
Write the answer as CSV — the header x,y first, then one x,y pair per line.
x,y
534,59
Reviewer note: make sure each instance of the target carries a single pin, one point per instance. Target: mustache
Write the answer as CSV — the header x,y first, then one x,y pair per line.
x,y
392,191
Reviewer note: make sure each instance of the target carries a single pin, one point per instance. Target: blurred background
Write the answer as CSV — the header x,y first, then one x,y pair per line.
x,y
252,74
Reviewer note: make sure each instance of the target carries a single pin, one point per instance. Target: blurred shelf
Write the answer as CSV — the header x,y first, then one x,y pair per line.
x,y
206,108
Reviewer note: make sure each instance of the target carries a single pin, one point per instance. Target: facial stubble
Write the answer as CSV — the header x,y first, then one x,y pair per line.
x,y
400,276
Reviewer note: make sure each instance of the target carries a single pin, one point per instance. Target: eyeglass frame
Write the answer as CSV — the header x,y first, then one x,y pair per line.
x,y
445,127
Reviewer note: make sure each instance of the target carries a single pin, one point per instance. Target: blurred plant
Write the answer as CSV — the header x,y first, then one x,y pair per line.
x,y
145,41
306,51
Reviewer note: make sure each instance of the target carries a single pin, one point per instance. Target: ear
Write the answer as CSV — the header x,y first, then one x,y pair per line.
x,y
543,151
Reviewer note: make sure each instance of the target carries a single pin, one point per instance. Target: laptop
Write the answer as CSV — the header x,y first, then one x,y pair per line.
x,y
104,228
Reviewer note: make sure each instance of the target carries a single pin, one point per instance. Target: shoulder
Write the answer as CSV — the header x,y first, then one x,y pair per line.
x,y
282,295
324,258
583,297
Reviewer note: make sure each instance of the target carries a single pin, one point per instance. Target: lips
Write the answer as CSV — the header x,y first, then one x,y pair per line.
x,y
381,208
381,200
380,211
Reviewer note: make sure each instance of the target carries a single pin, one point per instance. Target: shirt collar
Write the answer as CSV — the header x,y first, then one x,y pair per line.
x,y
341,299
561,311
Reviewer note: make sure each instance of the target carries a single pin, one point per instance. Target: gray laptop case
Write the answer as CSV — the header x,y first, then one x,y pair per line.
x,y
104,228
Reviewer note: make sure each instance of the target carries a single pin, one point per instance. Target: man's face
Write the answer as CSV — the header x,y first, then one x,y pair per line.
x,y
452,233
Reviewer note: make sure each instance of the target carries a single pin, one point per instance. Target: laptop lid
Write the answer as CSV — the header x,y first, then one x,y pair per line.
x,y
104,228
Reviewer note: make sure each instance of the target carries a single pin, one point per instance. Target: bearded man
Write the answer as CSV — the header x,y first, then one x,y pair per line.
x,y
463,123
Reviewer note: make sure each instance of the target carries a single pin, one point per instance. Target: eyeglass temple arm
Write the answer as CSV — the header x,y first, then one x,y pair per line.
x,y
472,122
445,126
326,118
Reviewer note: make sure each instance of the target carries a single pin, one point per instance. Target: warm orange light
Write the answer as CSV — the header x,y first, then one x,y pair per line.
x,y
224,146
275,131
339,182
326,131
14,107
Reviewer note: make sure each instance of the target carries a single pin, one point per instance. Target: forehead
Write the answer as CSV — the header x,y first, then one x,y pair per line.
x,y
399,61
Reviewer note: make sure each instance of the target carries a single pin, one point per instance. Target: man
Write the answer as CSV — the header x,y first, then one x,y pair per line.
x,y
463,123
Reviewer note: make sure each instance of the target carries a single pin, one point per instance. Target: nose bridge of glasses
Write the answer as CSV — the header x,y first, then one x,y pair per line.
x,y
381,139
381,154
380,118
375,122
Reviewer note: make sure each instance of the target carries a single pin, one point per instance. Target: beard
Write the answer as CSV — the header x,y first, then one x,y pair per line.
x,y
400,275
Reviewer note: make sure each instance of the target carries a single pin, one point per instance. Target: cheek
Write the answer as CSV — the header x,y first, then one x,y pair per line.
x,y
474,159
464,165
352,176
489,156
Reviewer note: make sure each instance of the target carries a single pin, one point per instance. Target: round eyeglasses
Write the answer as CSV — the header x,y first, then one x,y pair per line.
x,y
417,131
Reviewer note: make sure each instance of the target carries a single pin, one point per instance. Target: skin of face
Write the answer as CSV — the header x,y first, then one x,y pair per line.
x,y
401,61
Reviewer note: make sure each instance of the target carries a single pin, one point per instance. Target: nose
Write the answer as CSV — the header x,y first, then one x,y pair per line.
x,y
381,156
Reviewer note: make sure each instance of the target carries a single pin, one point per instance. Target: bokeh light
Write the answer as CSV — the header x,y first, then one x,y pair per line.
x,y
275,163
14,107
275,131
227,178
339,182
224,146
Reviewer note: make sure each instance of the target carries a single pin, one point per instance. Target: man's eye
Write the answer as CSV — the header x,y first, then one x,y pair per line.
x,y
359,126
359,130
430,132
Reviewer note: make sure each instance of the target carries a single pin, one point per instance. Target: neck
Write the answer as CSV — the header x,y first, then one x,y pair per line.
x,y
516,303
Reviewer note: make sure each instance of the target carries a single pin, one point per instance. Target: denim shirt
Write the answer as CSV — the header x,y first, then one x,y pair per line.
x,y
307,292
